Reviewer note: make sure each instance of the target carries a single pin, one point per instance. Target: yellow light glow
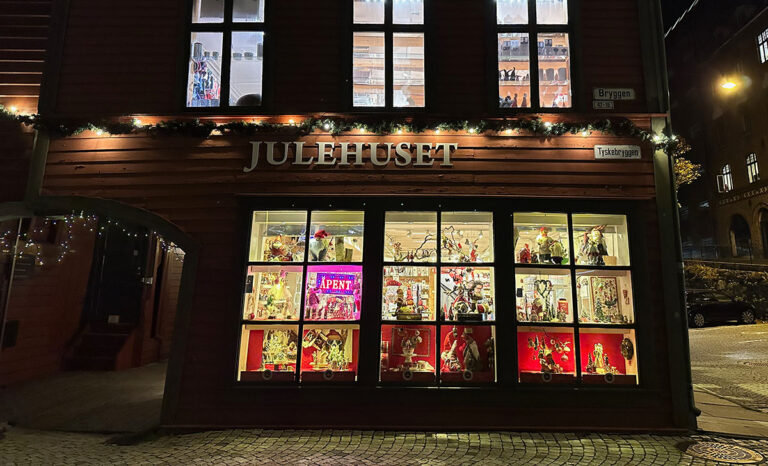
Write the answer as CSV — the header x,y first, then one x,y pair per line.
x,y
136,122
472,130
13,109
728,85
585,133
291,121
399,131
508,131
437,131
99,132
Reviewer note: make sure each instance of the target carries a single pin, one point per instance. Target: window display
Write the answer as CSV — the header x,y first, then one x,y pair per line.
x,y
268,353
329,353
408,12
368,11
278,236
467,294
544,295
408,293
600,240
466,237
333,292
605,297
514,70
554,70
272,293
511,11
246,69
410,237
545,355
467,354
552,11
541,238
407,353
408,69
204,79
248,11
208,11
608,356
336,236
368,64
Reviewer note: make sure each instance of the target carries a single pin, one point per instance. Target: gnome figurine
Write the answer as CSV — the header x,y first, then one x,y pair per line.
x,y
318,245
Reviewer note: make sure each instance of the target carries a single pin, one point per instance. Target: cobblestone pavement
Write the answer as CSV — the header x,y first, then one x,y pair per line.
x,y
22,446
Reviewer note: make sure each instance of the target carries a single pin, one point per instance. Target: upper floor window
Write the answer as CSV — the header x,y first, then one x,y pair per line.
x,y
527,79
226,53
727,178
388,53
753,171
762,46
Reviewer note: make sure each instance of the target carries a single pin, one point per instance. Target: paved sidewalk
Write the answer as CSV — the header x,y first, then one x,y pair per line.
x,y
723,416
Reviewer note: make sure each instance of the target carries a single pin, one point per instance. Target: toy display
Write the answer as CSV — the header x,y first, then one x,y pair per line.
x,y
205,70
466,237
604,356
407,353
600,240
467,293
541,238
333,292
329,349
467,354
543,295
408,293
278,236
592,248
545,355
410,237
336,237
605,298
271,293
269,353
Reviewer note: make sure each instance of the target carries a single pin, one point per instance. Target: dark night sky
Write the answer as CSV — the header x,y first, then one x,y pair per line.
x,y
672,10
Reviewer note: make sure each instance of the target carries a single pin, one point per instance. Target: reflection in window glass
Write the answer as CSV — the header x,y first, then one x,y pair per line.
x,y
605,297
268,353
541,238
278,236
409,293
248,11
368,69
467,354
544,295
336,236
408,75
554,70
608,356
410,237
204,79
272,293
511,11
600,240
334,292
408,12
247,68
407,353
467,293
546,355
369,12
514,70
208,11
552,11
329,353
467,237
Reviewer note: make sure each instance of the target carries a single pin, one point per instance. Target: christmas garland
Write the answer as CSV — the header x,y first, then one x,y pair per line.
x,y
672,146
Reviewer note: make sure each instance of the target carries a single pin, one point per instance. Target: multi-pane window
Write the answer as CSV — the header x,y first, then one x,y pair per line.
x,y
762,46
753,171
727,178
226,61
538,76
388,53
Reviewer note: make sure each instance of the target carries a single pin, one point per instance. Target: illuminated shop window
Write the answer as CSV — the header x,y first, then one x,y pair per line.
x,y
753,171
268,353
544,295
546,355
336,236
407,353
514,70
727,178
608,356
552,11
466,237
368,63
600,240
605,296
278,236
329,353
273,292
247,67
204,77
409,293
408,64
554,70
541,238
467,294
334,292
467,354
410,237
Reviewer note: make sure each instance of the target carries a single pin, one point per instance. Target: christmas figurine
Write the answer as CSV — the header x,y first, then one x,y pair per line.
x,y
593,246
545,246
525,255
318,245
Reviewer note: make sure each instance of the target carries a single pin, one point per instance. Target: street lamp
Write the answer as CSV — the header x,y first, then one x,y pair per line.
x,y
728,85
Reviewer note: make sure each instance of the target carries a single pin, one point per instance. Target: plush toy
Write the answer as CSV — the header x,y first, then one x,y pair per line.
x,y
318,245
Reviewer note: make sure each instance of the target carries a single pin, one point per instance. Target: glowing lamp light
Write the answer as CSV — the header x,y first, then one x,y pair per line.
x,y
728,85
437,131
585,133
547,124
99,132
13,109
472,130
291,121
508,131
399,131
326,126
137,122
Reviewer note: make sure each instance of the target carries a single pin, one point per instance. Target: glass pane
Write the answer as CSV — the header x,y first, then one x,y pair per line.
x,y
546,355
330,353
408,75
408,12
272,292
544,295
278,236
467,293
514,70
554,70
511,11
368,69
407,353
409,293
552,11
608,356
268,353
605,297
208,11
467,354
467,237
204,80
410,237
601,240
369,11
247,68
333,292
248,11
541,238
336,236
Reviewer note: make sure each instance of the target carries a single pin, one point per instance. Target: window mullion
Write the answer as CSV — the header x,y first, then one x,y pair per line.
x,y
389,68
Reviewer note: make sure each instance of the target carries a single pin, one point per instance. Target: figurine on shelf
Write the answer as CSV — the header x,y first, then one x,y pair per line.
x,y
544,289
598,362
490,351
277,252
409,343
558,251
449,358
471,352
318,245
593,247
545,352
545,246
525,255
313,303
279,350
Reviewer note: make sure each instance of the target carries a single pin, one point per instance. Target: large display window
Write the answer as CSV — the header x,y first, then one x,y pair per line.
x,y
546,355
334,292
466,237
541,238
410,237
409,293
268,353
407,353
278,236
601,240
336,236
329,353
605,296
608,356
467,354
544,295
272,293
467,294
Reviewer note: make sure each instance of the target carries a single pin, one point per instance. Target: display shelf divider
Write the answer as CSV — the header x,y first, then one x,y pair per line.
x,y
574,297
505,365
369,357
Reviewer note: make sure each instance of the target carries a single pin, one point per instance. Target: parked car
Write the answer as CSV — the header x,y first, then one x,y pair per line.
x,y
705,306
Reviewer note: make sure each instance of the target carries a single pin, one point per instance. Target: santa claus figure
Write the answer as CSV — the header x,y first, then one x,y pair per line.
x,y
318,246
